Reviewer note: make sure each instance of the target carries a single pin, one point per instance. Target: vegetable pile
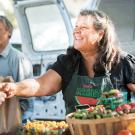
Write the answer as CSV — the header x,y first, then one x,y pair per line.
x,y
100,111
43,128
111,104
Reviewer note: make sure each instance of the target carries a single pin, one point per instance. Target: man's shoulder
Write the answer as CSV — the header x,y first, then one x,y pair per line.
x,y
16,54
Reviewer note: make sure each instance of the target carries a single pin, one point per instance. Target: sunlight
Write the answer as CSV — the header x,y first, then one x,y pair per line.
x,y
6,4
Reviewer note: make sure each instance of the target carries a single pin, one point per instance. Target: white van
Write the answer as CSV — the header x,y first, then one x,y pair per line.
x,y
46,32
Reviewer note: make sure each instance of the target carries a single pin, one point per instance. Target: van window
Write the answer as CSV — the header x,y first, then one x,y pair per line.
x,y
17,46
47,28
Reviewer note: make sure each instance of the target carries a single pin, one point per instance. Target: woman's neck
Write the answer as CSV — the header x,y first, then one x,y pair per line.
x,y
89,61
89,57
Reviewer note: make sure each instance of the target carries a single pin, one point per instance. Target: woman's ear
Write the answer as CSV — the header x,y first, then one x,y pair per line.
x,y
9,34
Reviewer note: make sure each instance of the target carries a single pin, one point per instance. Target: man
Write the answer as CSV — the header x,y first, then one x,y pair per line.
x,y
12,62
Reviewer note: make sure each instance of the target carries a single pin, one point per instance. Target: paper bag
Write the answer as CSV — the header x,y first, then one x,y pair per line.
x,y
10,114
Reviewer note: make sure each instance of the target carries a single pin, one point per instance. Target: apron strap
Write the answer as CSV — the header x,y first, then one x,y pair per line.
x,y
77,68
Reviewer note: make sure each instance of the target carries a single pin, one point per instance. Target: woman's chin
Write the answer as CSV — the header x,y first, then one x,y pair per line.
x,y
77,47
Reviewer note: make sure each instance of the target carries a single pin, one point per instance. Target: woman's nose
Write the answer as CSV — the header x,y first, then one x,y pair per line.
x,y
77,30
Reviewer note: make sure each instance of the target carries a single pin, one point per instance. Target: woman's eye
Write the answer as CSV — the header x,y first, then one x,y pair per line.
x,y
84,28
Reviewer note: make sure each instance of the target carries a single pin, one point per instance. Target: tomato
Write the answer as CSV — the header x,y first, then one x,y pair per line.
x,y
124,132
132,105
90,109
119,108
126,106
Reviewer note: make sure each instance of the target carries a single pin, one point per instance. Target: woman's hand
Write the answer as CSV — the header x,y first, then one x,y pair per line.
x,y
131,86
2,97
8,89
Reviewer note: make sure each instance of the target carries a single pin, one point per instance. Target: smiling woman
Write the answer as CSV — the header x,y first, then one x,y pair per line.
x,y
95,60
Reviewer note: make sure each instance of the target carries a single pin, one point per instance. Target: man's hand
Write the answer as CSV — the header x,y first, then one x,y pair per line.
x,y
2,97
8,89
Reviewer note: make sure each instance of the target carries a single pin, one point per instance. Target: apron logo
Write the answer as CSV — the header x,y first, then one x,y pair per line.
x,y
86,100
87,94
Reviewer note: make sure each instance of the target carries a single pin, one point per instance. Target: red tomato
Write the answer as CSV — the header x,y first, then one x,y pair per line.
x,y
124,132
126,106
90,109
119,108
132,105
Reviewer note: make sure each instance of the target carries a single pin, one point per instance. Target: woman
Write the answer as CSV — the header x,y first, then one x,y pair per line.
x,y
94,64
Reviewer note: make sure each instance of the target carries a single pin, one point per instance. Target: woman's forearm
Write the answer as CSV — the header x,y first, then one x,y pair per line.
x,y
45,85
28,87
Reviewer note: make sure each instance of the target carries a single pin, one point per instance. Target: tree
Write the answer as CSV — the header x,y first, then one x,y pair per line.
x,y
6,7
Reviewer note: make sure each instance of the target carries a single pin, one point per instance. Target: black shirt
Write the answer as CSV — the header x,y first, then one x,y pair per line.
x,y
121,74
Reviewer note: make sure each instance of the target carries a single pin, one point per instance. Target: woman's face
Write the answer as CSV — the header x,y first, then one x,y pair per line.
x,y
85,35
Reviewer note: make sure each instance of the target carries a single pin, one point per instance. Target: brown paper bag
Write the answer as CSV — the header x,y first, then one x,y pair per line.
x,y
10,114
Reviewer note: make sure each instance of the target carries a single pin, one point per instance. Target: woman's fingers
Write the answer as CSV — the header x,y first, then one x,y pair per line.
x,y
10,94
8,88
4,87
2,97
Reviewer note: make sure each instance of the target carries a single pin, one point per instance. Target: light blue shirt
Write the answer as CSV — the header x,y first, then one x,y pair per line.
x,y
14,63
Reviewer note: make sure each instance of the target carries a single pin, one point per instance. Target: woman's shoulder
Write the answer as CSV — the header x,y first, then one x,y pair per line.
x,y
127,61
64,59
62,62
17,55
127,58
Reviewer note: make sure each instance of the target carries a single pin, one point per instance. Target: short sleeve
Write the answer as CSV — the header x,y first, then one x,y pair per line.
x,y
20,65
60,65
129,68
25,68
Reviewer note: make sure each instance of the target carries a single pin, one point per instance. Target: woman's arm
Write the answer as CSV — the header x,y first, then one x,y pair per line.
x,y
131,86
49,83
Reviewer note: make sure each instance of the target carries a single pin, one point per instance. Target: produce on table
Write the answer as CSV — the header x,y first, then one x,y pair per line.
x,y
111,104
43,128
97,112
100,111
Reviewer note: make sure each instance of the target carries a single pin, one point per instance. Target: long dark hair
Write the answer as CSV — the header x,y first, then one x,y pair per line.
x,y
108,50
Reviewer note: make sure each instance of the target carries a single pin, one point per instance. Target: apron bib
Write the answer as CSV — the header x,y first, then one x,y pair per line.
x,y
83,90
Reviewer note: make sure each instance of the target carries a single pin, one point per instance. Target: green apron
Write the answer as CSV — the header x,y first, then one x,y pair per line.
x,y
85,90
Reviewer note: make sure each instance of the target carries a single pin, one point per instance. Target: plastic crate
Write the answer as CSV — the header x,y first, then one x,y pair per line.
x,y
113,102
